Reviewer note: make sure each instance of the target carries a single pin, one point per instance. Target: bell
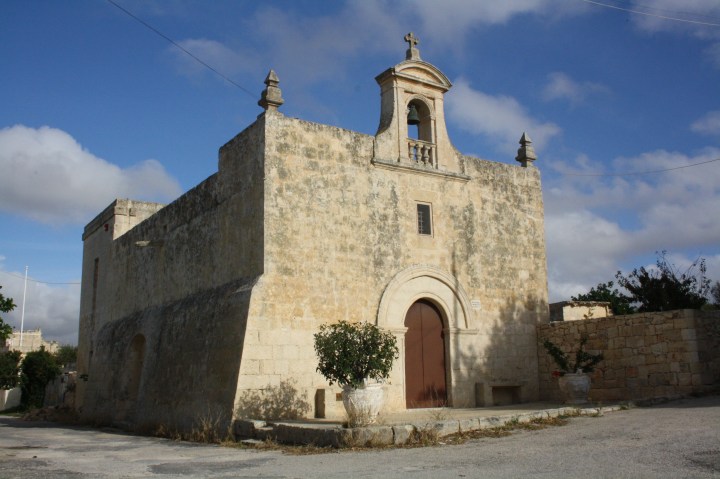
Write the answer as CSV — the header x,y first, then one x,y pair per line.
x,y
413,118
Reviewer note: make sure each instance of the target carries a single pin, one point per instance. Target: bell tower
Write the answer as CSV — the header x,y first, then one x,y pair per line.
x,y
412,129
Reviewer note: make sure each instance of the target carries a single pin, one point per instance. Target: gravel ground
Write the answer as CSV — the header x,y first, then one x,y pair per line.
x,y
674,440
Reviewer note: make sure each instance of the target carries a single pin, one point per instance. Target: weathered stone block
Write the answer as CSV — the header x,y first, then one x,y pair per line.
x,y
402,434
684,323
684,379
370,436
471,424
688,334
246,428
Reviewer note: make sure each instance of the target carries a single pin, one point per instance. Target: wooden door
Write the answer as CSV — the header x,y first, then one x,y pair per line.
x,y
425,384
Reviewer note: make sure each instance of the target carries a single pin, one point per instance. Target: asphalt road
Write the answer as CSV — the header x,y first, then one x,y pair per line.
x,y
674,440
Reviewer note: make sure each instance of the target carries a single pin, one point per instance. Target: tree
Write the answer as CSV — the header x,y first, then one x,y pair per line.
x,y
619,303
37,370
6,305
715,294
9,369
66,355
663,288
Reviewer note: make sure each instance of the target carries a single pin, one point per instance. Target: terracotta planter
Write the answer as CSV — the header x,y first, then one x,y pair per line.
x,y
574,387
363,403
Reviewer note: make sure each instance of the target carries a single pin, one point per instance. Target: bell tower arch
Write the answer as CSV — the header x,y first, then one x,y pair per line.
x,y
412,128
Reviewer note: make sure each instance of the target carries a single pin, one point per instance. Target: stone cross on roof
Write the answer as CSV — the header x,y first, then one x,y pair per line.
x,y
412,39
412,53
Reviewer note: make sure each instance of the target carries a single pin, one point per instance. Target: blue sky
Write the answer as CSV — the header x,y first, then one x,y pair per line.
x,y
95,106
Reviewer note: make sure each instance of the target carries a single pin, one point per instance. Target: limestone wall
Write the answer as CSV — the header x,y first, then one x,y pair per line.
x,y
220,292
165,341
577,310
32,340
339,229
10,398
647,355
98,278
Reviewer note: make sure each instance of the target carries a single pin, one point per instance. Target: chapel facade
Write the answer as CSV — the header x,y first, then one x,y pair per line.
x,y
186,308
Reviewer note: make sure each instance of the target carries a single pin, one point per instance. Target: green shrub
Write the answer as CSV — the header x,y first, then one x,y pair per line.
x,y
66,355
584,362
37,370
348,353
9,369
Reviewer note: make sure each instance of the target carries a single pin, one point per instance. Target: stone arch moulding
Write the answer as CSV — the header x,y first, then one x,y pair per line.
x,y
422,72
422,99
424,281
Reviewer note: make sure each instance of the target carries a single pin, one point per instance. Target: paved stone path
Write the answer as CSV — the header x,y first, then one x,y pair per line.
x,y
674,440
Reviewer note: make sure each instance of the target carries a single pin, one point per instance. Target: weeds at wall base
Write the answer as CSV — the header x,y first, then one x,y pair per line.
x,y
505,430
272,445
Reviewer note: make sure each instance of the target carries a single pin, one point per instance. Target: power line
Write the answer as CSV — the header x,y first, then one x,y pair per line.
x,y
178,46
640,12
30,279
641,172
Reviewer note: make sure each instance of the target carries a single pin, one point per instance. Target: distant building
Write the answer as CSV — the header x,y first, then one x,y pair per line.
x,y
576,310
188,308
31,340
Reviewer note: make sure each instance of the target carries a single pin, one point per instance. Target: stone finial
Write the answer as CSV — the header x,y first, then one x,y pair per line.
x,y
412,52
526,152
271,97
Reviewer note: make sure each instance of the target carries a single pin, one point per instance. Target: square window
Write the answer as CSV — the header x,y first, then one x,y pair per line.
x,y
424,219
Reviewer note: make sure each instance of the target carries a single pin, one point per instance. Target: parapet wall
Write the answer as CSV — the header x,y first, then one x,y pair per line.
x,y
647,355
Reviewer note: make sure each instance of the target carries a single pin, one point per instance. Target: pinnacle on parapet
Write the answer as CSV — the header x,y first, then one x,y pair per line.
x,y
271,97
526,152
412,53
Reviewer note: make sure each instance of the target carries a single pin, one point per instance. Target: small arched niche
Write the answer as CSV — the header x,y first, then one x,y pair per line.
x,y
136,359
423,130
420,130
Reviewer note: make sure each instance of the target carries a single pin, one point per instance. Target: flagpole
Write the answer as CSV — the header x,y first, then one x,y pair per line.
x,y
22,315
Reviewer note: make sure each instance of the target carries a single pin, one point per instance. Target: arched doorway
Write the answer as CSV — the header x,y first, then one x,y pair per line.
x,y
425,379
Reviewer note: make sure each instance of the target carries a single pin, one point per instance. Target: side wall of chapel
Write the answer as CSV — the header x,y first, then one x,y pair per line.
x,y
164,338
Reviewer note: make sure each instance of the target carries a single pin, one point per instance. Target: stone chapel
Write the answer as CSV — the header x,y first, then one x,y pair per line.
x,y
186,307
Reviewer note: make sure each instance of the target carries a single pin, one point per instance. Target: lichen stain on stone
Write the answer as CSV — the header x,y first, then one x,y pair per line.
x,y
284,147
309,153
282,172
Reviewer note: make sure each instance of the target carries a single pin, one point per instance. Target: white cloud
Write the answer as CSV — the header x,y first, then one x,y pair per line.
x,y
500,118
670,15
49,177
450,20
320,47
53,308
316,49
561,87
583,249
220,57
671,211
708,124
712,53
450,17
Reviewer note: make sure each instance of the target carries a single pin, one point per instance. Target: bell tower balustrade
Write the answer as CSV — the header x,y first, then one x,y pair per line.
x,y
422,152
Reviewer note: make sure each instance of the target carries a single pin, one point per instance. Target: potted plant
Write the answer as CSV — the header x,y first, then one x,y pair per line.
x,y
572,378
357,356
